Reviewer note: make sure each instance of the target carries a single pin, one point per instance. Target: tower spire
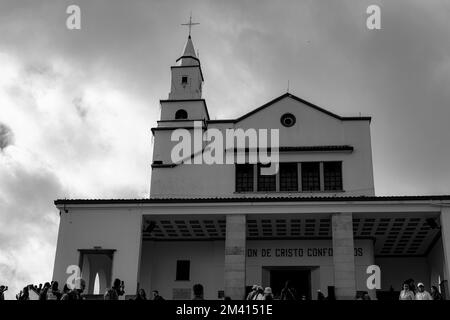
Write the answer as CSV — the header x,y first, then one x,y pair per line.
x,y
189,57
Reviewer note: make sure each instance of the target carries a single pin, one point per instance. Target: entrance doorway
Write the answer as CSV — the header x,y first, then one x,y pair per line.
x,y
300,278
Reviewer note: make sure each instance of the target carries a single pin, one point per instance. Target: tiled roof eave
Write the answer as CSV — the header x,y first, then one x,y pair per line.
x,y
255,199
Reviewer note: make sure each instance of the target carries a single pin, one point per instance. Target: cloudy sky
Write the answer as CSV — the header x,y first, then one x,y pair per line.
x,y
76,106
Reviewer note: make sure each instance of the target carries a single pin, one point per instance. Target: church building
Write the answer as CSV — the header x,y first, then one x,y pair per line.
x,y
316,222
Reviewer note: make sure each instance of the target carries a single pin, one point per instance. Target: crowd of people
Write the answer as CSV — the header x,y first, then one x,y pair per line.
x,y
412,292
258,293
51,291
287,293
409,292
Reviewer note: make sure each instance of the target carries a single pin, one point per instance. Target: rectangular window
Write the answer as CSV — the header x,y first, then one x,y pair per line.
x,y
288,177
244,177
332,175
311,176
184,80
183,270
266,182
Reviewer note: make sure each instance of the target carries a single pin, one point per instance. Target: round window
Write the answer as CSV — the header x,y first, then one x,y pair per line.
x,y
287,120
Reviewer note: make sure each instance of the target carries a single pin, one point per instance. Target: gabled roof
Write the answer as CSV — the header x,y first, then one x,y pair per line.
x,y
286,95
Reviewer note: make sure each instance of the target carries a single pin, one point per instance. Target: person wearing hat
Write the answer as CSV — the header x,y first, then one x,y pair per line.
x,y
422,294
268,293
252,293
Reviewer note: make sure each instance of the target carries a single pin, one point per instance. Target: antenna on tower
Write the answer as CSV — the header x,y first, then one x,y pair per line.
x,y
288,87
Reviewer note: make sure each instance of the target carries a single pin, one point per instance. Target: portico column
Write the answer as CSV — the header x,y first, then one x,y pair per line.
x,y
343,256
445,234
235,239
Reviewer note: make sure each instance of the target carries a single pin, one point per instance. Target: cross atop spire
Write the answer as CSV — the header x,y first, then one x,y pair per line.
x,y
190,24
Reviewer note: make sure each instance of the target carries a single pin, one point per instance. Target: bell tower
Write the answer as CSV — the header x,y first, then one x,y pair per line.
x,y
187,77
184,106
185,100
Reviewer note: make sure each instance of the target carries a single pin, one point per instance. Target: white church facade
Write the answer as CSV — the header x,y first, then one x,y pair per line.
x,y
316,222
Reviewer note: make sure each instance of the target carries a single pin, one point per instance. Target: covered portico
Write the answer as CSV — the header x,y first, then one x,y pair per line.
x,y
220,237
399,228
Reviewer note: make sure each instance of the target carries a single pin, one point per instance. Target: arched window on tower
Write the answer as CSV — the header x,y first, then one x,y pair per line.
x,y
181,114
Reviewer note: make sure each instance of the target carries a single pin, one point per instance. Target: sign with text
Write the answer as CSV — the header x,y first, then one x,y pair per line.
x,y
303,252
296,252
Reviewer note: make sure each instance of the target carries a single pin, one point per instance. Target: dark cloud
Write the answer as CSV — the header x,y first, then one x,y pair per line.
x,y
76,88
6,136
28,222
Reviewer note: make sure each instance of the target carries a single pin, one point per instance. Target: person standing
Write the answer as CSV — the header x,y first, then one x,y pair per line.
x,y
65,292
43,293
412,285
117,290
75,293
24,295
268,294
259,293
422,294
252,293
320,295
141,295
2,292
156,296
435,294
406,293
288,292
53,292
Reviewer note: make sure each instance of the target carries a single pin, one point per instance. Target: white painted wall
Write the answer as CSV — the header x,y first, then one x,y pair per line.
x,y
158,266
313,128
192,90
112,228
159,259
195,109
